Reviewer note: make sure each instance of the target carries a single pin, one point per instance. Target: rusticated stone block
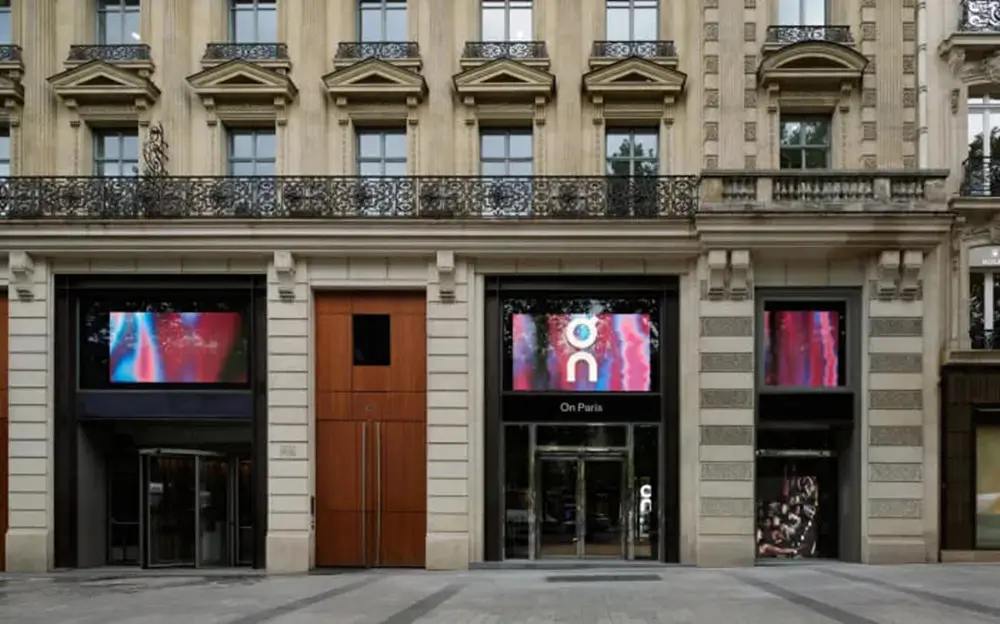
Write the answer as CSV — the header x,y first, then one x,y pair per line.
x,y
711,98
727,326
727,507
908,508
895,362
895,399
750,131
711,31
895,436
896,473
896,327
727,362
869,131
727,471
726,435
711,63
711,131
726,398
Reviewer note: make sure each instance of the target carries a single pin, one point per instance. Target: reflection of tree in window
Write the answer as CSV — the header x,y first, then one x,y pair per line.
x,y
805,143
633,152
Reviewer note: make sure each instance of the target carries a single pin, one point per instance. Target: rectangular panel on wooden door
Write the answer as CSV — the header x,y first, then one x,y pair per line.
x,y
371,429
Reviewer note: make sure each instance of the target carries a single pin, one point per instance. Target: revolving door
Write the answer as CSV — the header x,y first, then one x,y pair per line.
x,y
195,509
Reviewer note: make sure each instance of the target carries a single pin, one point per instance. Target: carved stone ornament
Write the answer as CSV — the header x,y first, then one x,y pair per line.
x,y
954,101
739,274
991,68
888,274
956,59
716,262
445,266
284,273
22,272
909,282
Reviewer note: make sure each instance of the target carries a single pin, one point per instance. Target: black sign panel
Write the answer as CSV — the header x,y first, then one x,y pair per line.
x,y
581,407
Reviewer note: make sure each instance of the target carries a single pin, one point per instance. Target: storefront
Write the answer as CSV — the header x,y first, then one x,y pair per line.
x,y
160,421
808,481
581,418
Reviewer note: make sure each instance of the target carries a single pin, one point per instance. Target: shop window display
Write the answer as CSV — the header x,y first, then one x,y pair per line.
x,y
988,487
787,517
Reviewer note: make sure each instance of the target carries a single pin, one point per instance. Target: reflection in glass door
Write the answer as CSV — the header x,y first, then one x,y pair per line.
x,y
604,493
214,518
170,516
557,508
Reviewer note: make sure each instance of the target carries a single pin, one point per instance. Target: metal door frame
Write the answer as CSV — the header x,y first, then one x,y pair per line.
x,y
582,456
145,455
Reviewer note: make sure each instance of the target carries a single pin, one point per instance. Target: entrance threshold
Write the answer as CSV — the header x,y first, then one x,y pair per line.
x,y
571,564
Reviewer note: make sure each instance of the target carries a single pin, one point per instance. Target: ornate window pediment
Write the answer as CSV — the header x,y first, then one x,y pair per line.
x,y
375,79
505,79
101,84
634,78
261,92
813,64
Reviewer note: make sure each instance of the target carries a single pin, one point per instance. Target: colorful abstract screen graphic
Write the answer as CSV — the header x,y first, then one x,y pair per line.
x,y
581,353
802,348
176,348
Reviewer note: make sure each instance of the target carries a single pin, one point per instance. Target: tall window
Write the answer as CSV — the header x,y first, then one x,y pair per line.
x,y
116,153
801,12
4,153
805,143
507,20
506,153
631,20
117,22
6,23
382,152
251,153
253,21
382,20
632,152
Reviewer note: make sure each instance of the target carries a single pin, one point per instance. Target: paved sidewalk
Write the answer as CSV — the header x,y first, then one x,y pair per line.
x,y
798,594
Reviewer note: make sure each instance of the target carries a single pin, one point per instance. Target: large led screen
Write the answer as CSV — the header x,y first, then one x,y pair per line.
x,y
581,353
176,348
802,348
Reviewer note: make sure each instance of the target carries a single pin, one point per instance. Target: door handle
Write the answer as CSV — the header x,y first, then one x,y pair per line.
x,y
364,497
378,487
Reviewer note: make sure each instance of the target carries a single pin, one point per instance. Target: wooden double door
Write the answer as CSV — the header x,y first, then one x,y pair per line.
x,y
371,419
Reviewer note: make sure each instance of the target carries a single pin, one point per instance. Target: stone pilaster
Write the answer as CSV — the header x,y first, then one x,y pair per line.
x,y
42,58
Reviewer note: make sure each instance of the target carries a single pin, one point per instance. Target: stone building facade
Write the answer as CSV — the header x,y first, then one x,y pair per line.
x,y
778,157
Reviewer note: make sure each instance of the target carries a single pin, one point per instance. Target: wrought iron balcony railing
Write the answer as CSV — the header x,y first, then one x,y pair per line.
x,y
517,50
331,197
980,177
625,49
979,16
222,52
124,53
984,339
786,35
385,50
10,54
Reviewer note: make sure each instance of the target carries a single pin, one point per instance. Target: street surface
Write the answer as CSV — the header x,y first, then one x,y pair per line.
x,y
789,594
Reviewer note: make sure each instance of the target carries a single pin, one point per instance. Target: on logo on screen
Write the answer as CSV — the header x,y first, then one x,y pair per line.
x,y
581,334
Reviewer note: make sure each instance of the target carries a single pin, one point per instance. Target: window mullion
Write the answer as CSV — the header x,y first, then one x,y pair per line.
x,y
988,299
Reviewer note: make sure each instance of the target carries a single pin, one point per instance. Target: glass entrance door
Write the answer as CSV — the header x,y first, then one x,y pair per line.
x,y
188,511
580,507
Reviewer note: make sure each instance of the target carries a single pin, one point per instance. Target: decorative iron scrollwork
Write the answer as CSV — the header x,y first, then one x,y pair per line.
x,y
10,54
329,197
505,50
246,52
642,49
980,177
110,53
798,34
385,50
979,16
987,339
155,152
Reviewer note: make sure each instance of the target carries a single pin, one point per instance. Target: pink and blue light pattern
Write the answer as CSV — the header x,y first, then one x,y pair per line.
x,y
622,352
175,347
802,348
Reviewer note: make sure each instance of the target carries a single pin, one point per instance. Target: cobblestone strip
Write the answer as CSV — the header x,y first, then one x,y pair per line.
x,y
274,613
826,610
423,606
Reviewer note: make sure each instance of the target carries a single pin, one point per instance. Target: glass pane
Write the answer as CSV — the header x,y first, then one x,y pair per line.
x,y
644,25
994,145
111,28
213,506
618,145
170,499
109,169
370,145
493,24
556,508
130,148
492,146
646,489
516,491
395,26
816,158
267,26
816,132
520,145
791,133
242,168
131,28
265,168
493,168
370,169
605,528
619,167
581,435
520,24
521,168
6,34
790,158
371,25
266,147
796,502
988,487
395,145
617,26
244,512
371,338
814,12
240,145
646,168
789,13
395,168
244,30
645,145
975,126
108,147
4,169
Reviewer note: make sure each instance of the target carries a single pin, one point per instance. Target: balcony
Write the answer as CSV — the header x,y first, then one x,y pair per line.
x,y
404,54
342,197
780,36
976,35
822,190
810,59
270,55
126,56
532,53
980,177
604,53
